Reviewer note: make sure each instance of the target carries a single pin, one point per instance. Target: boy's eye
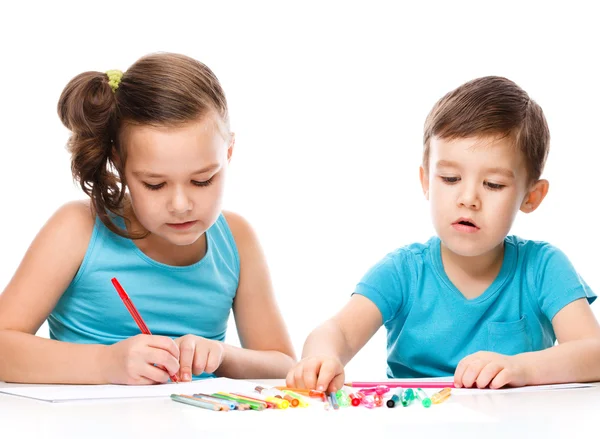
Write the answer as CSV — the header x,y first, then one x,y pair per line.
x,y
154,187
450,179
494,186
203,183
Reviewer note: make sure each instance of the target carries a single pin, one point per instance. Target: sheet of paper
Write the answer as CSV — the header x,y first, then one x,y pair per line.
x,y
63,393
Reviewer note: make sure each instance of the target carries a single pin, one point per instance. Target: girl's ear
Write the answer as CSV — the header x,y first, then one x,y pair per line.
x,y
535,196
424,181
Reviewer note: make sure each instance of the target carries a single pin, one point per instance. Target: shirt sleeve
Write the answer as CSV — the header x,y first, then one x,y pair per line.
x,y
557,282
388,283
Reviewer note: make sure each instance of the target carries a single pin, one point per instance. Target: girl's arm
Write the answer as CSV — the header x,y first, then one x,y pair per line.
x,y
577,356
267,350
48,267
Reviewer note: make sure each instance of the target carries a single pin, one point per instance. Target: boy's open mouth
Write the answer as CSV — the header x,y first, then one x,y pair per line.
x,y
465,222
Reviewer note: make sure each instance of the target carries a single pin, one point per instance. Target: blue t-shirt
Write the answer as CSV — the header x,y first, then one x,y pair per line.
x,y
431,326
173,301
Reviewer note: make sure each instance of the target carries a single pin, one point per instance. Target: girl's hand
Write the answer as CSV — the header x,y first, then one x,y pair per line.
x,y
197,355
321,373
484,369
142,360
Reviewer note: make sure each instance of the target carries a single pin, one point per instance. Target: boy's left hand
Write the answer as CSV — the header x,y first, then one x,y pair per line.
x,y
483,369
197,355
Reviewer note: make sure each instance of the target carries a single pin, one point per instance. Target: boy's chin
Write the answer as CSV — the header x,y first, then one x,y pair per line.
x,y
467,249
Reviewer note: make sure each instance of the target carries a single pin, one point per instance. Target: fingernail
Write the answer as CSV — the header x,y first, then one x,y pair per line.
x,y
187,377
321,388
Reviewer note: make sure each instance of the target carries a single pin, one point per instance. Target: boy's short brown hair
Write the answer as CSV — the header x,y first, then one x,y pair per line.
x,y
493,106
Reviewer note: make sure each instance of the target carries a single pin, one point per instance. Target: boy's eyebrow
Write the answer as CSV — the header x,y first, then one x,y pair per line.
x,y
502,171
149,174
495,170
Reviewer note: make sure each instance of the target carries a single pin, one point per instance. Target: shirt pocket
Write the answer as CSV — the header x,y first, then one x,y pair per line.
x,y
509,338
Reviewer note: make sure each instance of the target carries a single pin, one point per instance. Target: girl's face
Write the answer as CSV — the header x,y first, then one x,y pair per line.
x,y
176,177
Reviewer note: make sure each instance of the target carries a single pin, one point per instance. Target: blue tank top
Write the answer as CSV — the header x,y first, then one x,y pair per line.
x,y
172,300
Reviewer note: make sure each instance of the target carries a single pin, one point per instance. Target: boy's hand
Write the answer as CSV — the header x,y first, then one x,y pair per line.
x,y
197,355
142,360
318,373
483,369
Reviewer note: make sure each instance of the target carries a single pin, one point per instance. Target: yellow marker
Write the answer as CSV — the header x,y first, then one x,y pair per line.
x,y
441,396
301,401
279,402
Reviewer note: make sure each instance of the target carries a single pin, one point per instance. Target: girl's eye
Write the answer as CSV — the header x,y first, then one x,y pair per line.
x,y
494,186
450,179
154,187
203,183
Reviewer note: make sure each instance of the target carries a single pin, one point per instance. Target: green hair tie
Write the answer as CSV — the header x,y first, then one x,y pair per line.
x,y
114,78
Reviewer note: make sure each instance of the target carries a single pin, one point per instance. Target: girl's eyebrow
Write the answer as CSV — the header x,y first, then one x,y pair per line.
x,y
149,174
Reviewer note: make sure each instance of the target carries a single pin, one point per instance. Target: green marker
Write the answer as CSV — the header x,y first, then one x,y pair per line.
x,y
342,398
407,397
422,396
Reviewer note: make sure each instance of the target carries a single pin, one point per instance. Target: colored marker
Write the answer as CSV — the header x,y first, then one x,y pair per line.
x,y
408,396
422,396
356,398
441,396
395,398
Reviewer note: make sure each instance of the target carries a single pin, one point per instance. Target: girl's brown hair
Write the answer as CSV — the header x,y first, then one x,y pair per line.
x,y
163,89
493,106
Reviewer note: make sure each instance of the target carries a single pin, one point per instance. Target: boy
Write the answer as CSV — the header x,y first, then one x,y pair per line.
x,y
471,302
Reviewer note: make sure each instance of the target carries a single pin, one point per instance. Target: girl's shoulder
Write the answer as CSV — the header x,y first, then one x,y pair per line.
x,y
74,219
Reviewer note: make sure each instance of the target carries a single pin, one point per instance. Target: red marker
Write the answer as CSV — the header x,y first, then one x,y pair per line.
x,y
136,315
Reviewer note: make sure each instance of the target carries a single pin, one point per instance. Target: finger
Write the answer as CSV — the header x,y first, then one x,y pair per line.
x,y
154,374
163,358
215,356
487,374
289,379
460,371
338,381
327,373
501,380
186,358
165,343
311,371
472,372
200,358
299,376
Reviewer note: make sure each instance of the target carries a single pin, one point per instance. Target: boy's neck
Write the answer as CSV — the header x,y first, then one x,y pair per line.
x,y
472,274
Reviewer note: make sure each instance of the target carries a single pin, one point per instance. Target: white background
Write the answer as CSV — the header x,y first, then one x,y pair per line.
x,y
328,101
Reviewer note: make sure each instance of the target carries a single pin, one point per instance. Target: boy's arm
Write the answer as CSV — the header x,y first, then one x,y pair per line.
x,y
268,351
577,356
347,332
332,345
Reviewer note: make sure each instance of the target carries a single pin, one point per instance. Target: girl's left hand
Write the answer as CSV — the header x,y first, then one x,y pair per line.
x,y
197,355
483,369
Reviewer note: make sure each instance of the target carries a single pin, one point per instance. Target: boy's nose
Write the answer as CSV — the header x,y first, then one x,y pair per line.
x,y
469,199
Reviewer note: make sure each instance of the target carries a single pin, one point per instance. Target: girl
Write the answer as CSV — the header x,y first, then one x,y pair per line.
x,y
150,148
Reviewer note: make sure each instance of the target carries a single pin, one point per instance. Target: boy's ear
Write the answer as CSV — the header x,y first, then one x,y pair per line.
x,y
424,181
230,147
535,196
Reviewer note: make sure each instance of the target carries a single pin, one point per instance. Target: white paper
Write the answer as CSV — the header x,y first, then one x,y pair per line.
x,y
63,393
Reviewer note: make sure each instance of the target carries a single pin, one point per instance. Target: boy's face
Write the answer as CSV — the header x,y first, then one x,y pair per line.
x,y
475,187
176,177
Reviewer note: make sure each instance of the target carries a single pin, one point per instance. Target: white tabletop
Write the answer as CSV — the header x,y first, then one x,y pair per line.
x,y
554,413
